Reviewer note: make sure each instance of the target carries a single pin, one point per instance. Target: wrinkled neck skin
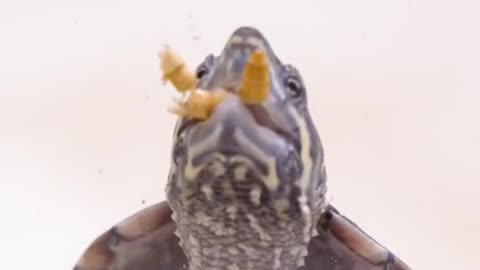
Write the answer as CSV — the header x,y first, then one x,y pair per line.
x,y
219,231
227,217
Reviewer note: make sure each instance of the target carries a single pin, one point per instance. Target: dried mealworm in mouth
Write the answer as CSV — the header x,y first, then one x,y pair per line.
x,y
197,103
176,71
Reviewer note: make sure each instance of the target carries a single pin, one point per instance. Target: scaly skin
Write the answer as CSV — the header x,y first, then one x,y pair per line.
x,y
247,185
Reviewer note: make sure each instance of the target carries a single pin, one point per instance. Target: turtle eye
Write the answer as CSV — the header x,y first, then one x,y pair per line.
x,y
294,86
204,67
201,71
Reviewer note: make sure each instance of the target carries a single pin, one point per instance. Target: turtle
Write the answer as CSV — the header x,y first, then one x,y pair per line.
x,y
246,187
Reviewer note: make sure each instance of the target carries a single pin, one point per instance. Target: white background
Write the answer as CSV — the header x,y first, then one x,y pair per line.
x,y
85,136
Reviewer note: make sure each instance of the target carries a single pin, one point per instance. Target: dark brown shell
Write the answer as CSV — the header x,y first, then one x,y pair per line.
x,y
146,241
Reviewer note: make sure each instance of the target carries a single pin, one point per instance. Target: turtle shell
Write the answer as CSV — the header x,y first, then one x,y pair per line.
x,y
146,241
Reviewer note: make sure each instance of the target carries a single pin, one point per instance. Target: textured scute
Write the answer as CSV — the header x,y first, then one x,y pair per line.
x,y
143,241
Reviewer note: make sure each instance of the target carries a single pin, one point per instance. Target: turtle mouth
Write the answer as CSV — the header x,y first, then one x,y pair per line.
x,y
235,125
262,120
235,128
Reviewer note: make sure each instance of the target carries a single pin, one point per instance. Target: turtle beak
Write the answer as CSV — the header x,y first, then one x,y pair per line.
x,y
229,74
243,125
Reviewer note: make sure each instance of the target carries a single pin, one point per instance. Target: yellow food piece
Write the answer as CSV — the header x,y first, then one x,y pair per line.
x,y
200,104
255,86
176,71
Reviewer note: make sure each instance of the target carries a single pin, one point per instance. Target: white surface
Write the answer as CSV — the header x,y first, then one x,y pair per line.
x,y
85,137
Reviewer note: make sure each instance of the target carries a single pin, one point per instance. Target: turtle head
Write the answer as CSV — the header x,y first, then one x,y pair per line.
x,y
274,142
248,157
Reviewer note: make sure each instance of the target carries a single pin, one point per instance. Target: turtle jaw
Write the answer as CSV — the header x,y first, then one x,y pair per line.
x,y
236,129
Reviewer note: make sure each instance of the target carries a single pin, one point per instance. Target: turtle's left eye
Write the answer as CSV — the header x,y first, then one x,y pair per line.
x,y
202,71
294,86
204,67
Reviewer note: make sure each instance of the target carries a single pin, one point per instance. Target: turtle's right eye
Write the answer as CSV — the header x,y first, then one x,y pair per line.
x,y
294,86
